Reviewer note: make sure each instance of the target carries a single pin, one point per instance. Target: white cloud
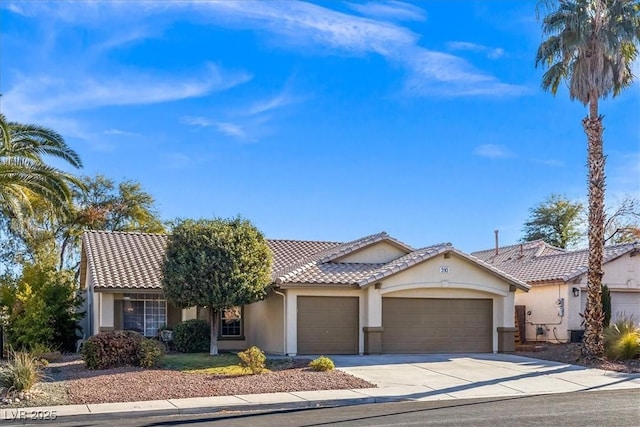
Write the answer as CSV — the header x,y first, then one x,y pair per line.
x,y
490,52
448,75
231,129
302,24
279,101
33,96
429,72
123,38
120,132
492,151
197,121
392,10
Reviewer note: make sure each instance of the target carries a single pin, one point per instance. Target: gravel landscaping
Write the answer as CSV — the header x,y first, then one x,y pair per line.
x,y
69,382
572,353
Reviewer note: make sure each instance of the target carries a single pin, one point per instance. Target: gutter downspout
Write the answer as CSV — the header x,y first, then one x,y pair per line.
x,y
284,321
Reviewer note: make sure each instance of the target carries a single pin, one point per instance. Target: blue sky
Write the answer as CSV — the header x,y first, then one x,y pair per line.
x,y
324,120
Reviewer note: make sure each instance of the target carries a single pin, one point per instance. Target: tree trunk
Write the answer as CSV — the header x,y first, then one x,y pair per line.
x,y
593,314
213,321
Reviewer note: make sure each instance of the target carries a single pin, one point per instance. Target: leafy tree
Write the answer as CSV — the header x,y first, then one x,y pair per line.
x,y
556,221
41,308
217,264
24,173
98,204
591,45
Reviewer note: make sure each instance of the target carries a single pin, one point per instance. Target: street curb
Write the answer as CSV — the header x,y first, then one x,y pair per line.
x,y
249,407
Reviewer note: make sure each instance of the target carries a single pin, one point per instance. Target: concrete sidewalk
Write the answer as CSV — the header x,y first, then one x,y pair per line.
x,y
398,377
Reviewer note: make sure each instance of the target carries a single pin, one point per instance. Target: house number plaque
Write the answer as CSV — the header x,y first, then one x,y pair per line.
x,y
444,270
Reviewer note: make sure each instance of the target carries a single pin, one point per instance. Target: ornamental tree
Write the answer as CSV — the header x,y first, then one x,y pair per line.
x,y
217,264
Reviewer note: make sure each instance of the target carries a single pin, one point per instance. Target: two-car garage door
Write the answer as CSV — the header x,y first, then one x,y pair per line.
x,y
422,325
330,325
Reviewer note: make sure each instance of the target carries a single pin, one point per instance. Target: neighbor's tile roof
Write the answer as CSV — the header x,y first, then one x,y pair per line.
x,y
539,262
120,260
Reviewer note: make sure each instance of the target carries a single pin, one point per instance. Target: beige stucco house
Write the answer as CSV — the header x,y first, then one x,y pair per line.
x,y
371,295
558,280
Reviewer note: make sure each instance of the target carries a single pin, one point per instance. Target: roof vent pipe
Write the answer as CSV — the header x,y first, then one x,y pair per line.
x,y
496,233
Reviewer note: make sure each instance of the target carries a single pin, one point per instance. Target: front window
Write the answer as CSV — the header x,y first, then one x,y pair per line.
x,y
144,313
231,322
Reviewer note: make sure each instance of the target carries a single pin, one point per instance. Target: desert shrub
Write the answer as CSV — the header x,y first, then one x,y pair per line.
x,y
112,349
150,353
622,339
322,363
192,336
253,359
21,372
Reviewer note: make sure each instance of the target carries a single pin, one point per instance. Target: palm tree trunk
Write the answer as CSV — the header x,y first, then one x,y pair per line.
x,y
594,316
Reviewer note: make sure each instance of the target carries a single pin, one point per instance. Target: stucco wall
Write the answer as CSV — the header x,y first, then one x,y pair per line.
x,y
541,301
106,310
382,252
264,325
450,273
622,275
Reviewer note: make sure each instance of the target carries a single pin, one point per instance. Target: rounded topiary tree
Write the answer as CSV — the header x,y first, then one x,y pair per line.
x,y
217,264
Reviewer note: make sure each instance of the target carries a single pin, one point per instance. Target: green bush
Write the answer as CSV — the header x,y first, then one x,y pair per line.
x,y
322,363
150,353
622,339
41,308
192,336
21,372
253,359
112,349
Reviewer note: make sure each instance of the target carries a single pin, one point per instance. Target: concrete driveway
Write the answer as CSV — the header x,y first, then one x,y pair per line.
x,y
442,376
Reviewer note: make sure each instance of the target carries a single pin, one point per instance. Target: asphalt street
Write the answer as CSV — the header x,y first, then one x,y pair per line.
x,y
594,408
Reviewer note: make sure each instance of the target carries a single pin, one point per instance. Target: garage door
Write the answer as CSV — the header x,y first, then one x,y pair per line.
x,y
624,304
327,325
420,325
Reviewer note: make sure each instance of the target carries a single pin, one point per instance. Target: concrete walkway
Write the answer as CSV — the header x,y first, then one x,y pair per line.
x,y
398,377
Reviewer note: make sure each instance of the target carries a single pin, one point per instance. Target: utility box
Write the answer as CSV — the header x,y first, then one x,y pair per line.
x,y
577,335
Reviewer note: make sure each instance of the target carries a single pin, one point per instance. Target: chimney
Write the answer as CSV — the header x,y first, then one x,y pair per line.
x,y
497,246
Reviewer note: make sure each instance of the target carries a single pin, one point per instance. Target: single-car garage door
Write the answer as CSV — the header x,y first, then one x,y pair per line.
x,y
327,325
422,325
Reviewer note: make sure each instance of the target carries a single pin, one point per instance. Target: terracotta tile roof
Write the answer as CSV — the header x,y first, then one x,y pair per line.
x,y
124,260
538,262
291,271
287,253
119,260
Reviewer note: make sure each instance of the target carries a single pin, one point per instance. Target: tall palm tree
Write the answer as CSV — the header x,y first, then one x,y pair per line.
x,y
24,173
591,44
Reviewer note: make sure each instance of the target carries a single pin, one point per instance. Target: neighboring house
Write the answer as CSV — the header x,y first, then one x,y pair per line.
x,y
558,280
371,295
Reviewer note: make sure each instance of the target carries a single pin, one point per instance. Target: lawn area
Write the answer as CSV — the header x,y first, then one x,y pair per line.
x,y
221,364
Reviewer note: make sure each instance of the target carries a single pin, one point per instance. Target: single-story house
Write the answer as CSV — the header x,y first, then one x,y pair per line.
x,y
551,309
371,295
